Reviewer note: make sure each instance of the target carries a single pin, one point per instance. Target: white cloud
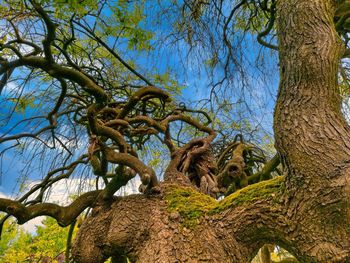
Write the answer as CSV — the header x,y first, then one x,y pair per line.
x,y
62,192
2,195
31,225
10,87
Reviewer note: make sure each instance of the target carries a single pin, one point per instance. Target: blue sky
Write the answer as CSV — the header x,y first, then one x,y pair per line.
x,y
257,94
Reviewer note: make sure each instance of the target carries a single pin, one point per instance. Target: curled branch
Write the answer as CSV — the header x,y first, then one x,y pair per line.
x,y
139,95
147,174
268,28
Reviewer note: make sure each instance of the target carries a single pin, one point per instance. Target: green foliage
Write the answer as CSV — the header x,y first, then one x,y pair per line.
x,y
80,8
17,245
268,144
213,61
156,158
251,18
119,19
24,102
50,239
17,249
127,22
278,255
8,234
167,81
20,251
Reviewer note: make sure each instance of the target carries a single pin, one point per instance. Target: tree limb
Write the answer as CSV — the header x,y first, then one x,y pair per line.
x,y
64,215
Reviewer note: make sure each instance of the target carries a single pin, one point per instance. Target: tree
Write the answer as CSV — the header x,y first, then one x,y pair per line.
x,y
96,97
48,243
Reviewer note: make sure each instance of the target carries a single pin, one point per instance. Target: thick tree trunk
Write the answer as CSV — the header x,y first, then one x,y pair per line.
x,y
308,214
265,254
143,229
311,134
181,225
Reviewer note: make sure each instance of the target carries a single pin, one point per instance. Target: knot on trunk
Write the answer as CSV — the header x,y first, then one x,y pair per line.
x,y
232,175
199,165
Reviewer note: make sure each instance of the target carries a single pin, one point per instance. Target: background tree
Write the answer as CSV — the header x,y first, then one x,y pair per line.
x,y
47,244
83,104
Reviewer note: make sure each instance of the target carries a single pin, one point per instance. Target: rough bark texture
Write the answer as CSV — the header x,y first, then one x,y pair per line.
x,y
307,213
179,225
311,134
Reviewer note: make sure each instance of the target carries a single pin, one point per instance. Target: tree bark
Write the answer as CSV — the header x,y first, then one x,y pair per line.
x,y
152,229
307,212
311,133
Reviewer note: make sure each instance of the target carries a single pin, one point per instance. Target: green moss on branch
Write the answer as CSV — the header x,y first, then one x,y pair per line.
x,y
252,193
189,203
193,205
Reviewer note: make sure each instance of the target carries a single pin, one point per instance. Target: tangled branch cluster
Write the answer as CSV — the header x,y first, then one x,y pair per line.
x,y
118,118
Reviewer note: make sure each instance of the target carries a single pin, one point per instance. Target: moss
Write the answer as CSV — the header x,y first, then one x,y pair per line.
x,y
189,203
251,193
192,205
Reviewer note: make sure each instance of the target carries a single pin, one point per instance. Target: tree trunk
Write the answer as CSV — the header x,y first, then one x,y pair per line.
x,y
307,213
181,225
312,136
265,254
